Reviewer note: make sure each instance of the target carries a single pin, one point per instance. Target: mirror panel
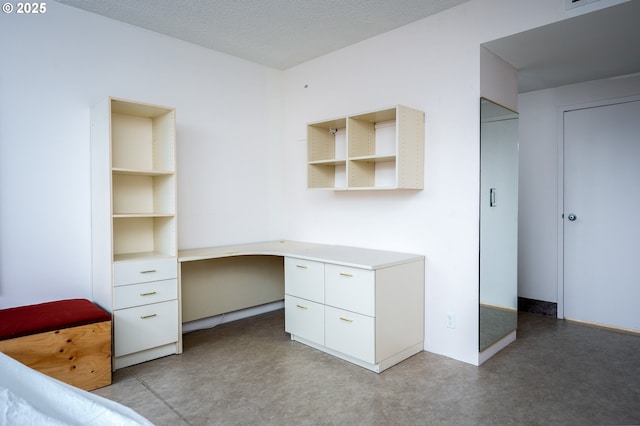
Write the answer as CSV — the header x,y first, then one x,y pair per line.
x,y
498,222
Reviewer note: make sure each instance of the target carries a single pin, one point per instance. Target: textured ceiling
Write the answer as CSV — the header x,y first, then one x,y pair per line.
x,y
276,33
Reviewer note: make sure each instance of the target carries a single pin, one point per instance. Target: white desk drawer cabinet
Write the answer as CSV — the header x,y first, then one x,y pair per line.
x,y
350,333
144,271
349,288
304,278
372,309
126,296
145,310
304,318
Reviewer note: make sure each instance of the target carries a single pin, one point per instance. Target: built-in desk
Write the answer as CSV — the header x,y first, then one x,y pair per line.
x,y
363,305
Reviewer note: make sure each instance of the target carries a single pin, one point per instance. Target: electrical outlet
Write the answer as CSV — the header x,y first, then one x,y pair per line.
x,y
451,320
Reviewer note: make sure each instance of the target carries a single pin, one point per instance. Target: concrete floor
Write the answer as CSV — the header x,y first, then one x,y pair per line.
x,y
250,373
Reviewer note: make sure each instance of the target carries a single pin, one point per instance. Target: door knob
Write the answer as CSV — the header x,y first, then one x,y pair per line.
x,y
572,217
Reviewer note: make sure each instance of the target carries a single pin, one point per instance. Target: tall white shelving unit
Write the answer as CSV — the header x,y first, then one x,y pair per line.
x,y
134,227
382,149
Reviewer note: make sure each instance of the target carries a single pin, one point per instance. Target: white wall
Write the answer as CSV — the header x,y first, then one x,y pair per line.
x,y
432,65
540,126
54,67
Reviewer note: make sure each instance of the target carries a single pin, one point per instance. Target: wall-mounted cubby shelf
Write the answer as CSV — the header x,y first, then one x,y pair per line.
x,y
381,149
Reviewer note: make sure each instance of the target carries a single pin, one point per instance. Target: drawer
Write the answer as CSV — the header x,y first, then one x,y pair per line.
x,y
304,278
145,327
127,296
349,288
144,271
350,333
304,319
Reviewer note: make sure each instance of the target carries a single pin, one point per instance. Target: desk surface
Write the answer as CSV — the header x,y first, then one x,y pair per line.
x,y
342,255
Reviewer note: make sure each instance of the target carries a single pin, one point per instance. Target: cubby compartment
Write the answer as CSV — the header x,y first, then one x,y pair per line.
x,y
384,150
372,134
143,193
144,236
142,137
327,154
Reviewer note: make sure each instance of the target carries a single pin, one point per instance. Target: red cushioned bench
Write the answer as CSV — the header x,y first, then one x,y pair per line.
x,y
69,340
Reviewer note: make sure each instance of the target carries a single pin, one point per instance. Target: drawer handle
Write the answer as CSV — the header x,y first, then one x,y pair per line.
x,y
302,307
346,319
344,274
148,316
149,271
150,293
301,266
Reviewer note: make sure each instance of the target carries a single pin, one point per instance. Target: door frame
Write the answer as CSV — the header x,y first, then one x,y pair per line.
x,y
560,188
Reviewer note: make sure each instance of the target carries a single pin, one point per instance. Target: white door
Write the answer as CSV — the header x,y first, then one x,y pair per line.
x,y
601,215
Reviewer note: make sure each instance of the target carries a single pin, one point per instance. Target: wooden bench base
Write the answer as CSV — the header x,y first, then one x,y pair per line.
x,y
79,356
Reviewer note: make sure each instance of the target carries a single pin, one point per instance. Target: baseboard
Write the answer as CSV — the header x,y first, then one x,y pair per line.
x,y
632,331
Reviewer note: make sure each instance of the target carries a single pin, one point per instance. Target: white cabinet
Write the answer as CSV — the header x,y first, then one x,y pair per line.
x,y
304,318
350,288
144,327
304,278
351,334
143,271
134,242
381,149
304,298
371,314
127,296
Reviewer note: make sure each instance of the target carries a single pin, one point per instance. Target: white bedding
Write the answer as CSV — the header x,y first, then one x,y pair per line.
x,y
28,397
